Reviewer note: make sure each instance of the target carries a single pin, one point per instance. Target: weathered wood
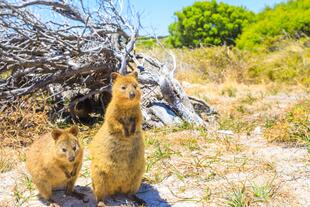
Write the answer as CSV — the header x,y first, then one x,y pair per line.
x,y
78,54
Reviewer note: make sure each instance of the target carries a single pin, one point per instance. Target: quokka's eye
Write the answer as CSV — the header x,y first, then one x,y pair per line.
x,y
64,150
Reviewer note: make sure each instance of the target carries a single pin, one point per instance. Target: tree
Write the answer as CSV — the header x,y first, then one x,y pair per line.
x,y
285,19
208,23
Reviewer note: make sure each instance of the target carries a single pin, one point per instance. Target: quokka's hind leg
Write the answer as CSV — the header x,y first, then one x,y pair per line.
x,y
136,182
45,189
99,184
99,189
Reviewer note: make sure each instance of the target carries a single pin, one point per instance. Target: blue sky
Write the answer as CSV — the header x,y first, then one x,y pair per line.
x,y
158,14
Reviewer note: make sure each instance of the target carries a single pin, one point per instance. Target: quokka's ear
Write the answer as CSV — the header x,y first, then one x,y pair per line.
x,y
134,74
114,76
56,133
74,130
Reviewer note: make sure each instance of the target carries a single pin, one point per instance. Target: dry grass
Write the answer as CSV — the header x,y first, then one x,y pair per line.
x,y
22,123
7,161
27,119
291,126
244,107
288,63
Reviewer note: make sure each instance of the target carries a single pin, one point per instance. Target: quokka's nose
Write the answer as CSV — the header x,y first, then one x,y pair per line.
x,y
132,94
71,159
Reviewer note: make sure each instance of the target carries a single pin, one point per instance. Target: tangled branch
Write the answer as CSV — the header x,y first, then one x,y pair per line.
x,y
71,47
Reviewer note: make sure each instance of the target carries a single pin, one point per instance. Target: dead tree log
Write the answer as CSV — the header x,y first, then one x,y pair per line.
x,y
70,52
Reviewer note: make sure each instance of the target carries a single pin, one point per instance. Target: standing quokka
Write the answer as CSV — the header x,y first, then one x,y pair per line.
x,y
55,160
117,149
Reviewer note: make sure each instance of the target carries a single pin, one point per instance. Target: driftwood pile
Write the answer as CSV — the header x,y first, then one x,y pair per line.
x,y
69,49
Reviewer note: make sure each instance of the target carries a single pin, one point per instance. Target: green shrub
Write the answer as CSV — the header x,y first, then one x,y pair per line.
x,y
208,23
290,19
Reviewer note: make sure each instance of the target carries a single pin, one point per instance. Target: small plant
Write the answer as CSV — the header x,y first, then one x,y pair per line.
x,y
191,143
262,193
85,173
161,152
270,121
238,198
19,197
207,194
28,183
150,140
157,177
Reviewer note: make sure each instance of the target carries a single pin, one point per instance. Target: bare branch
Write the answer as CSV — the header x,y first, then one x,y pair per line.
x,y
75,48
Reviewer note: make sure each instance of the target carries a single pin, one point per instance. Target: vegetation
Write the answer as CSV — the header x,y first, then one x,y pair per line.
x,y
208,23
238,198
289,64
6,162
292,126
211,23
278,56
262,192
285,19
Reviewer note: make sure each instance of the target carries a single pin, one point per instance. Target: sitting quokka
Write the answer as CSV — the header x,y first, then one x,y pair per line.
x,y
117,149
55,160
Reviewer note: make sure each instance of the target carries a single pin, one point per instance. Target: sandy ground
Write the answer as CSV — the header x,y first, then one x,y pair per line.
x,y
291,174
190,167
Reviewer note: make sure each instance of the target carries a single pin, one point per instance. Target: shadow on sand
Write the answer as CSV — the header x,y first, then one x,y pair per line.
x,y
146,192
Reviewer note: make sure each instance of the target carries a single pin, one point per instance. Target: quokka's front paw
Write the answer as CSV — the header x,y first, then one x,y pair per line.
x,y
126,132
132,125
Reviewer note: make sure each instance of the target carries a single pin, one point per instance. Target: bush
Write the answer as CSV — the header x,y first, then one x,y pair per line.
x,y
291,19
285,65
208,23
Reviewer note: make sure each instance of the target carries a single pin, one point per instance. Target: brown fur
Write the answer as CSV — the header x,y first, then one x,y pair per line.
x,y
117,149
50,166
